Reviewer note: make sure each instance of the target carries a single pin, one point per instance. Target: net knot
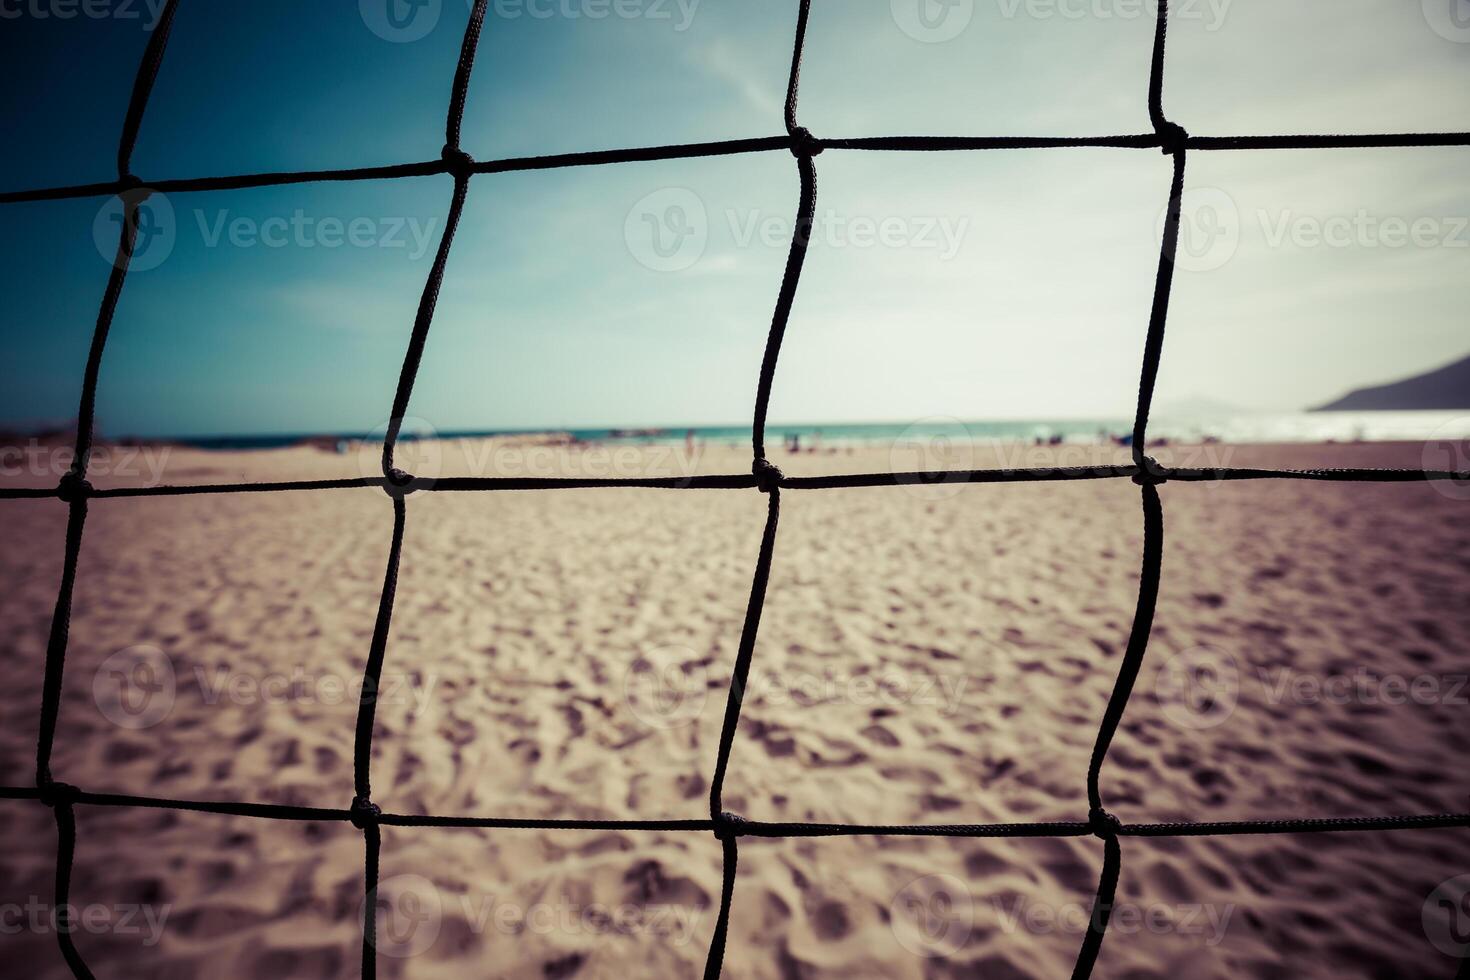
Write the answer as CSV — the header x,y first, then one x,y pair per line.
x,y
803,143
1103,824
727,825
768,475
1150,473
364,813
73,487
58,794
459,163
1172,136
400,484
131,187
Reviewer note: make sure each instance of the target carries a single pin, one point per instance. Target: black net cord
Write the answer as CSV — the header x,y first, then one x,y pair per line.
x,y
364,814
362,750
73,489
758,144
804,147
372,847
460,164
1102,909
756,828
768,479
66,840
730,856
746,481
1148,594
1104,825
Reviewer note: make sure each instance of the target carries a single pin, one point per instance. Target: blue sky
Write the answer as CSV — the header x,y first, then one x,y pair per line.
x,y
1009,284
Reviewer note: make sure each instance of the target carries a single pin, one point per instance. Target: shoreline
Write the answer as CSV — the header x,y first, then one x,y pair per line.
x,y
1260,428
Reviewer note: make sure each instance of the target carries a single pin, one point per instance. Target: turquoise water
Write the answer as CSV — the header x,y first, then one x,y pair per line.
x,y
1285,427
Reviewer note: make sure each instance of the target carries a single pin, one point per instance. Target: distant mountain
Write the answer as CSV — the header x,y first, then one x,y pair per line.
x,y
1444,388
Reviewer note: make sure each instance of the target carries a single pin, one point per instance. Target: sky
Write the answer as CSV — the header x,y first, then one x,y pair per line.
x,y
972,285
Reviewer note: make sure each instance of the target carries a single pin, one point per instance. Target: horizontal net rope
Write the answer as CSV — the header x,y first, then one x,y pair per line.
x,y
760,828
1149,474
746,481
764,144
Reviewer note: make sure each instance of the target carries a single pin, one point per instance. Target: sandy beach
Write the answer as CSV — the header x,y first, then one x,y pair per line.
x,y
934,654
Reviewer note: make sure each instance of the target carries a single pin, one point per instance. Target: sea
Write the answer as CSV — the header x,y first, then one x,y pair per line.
x,y
1416,426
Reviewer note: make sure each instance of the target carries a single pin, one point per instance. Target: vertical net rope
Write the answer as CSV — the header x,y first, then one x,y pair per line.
x,y
74,490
